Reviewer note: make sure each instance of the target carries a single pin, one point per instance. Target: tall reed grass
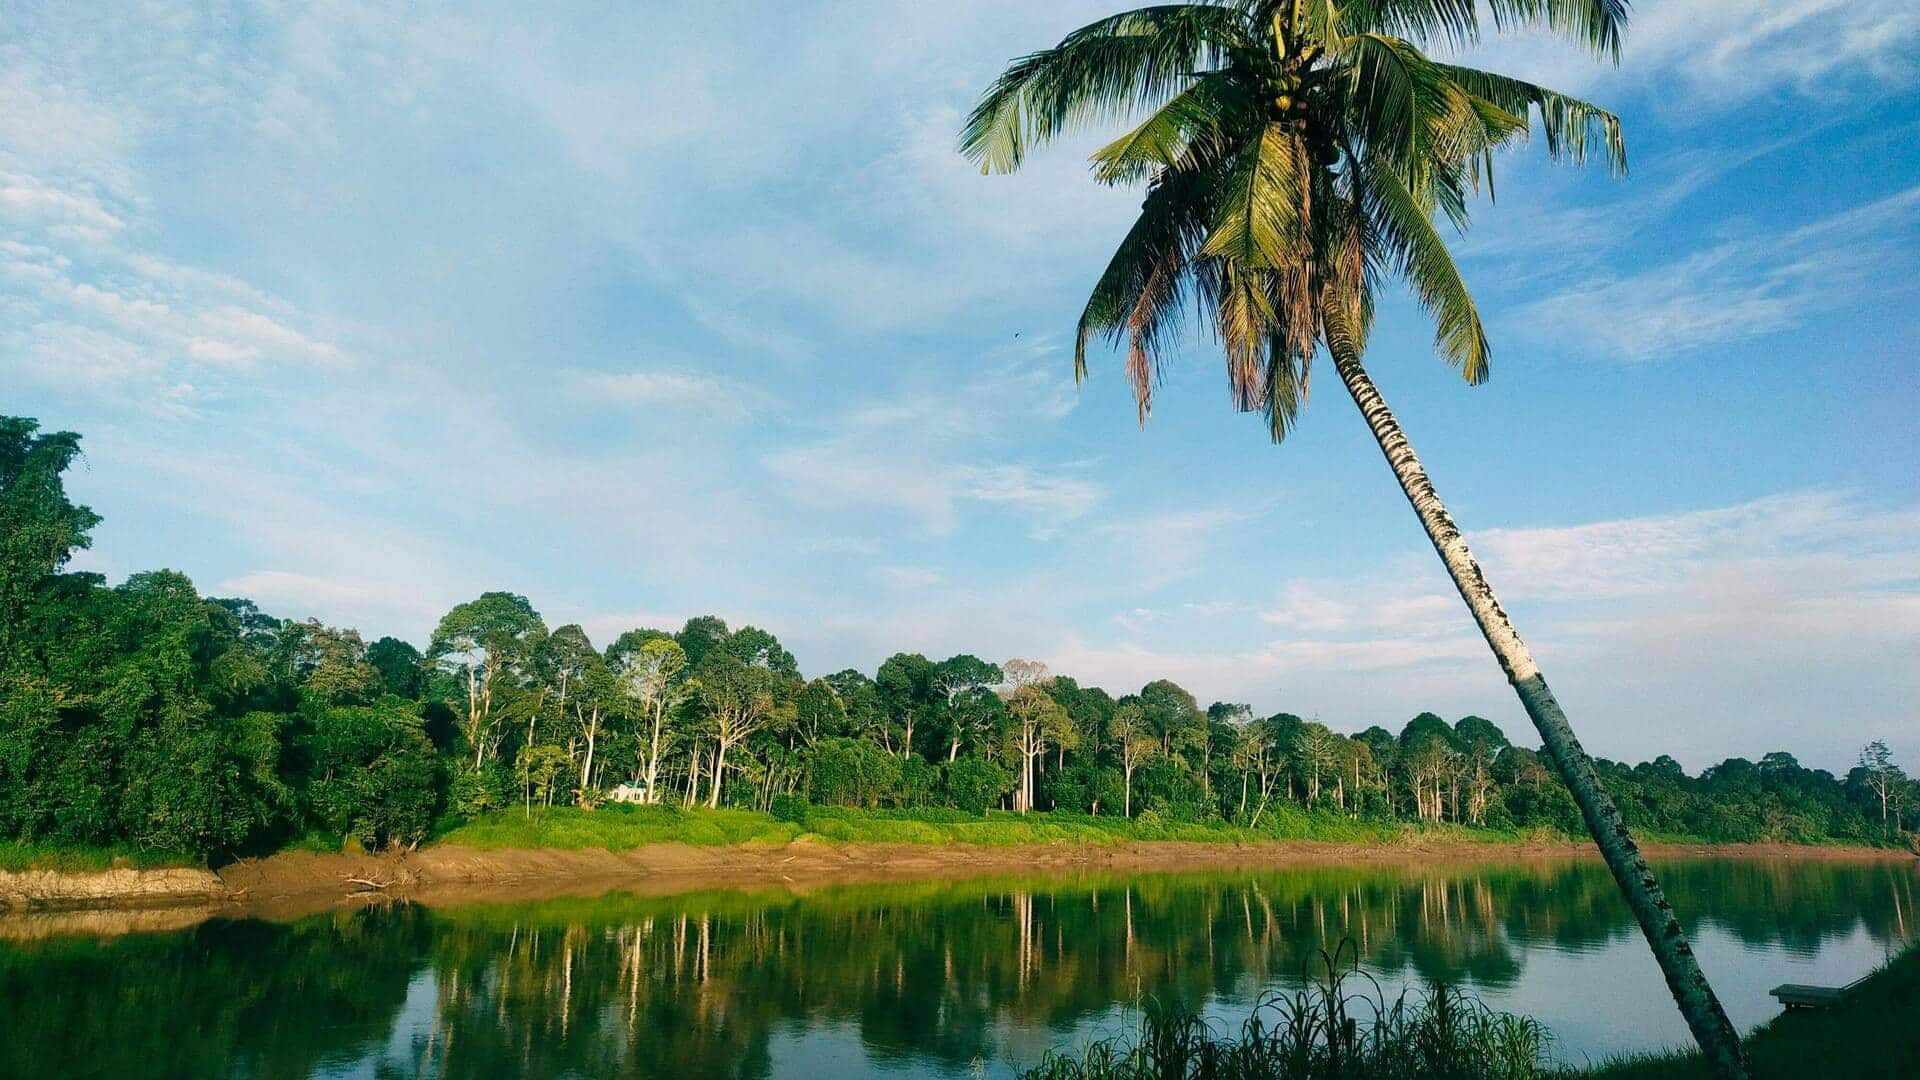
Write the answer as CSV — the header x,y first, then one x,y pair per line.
x,y
1340,1026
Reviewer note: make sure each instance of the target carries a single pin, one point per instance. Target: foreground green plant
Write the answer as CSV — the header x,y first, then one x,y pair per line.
x,y
1324,1030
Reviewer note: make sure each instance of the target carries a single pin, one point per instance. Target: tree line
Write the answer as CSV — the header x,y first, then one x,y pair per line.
x,y
146,714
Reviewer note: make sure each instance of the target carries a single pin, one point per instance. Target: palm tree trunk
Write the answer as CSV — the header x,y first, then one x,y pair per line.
x,y
1711,1029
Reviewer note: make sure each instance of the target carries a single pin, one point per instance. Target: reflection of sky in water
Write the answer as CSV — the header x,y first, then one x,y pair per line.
x,y
1599,1000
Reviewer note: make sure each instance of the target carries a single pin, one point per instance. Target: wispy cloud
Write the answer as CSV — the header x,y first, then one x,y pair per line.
x,y
1738,289
713,395
128,326
1644,623
1159,549
935,445
76,215
1719,54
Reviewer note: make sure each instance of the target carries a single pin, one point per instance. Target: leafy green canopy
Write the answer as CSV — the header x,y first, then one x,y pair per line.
x,y
1294,153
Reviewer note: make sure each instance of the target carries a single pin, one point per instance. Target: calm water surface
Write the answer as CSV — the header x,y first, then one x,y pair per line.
x,y
929,979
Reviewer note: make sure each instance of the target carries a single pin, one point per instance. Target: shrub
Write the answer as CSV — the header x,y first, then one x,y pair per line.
x,y
1086,788
918,778
791,808
377,778
472,792
974,784
852,772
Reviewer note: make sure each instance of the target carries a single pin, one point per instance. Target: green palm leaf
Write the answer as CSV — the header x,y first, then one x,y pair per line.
x,y
1105,70
1203,116
1573,127
1408,235
1261,222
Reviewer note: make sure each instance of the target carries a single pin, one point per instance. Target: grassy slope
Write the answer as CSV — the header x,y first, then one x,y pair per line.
x,y
1875,1033
620,827
17,856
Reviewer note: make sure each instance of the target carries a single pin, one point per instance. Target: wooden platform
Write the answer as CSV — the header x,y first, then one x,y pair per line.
x,y
1802,996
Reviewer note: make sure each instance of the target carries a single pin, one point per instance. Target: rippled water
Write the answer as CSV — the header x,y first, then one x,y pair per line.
x,y
927,979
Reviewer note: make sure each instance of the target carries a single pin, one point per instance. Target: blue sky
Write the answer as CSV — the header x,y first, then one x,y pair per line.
x,y
364,309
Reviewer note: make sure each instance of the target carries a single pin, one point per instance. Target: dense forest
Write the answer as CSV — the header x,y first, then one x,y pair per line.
x,y
146,715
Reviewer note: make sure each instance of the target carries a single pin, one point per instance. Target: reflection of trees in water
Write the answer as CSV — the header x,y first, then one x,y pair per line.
x,y
225,998
702,984
933,970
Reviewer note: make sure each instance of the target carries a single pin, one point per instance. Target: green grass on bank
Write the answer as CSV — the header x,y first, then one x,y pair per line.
x,y
1874,1033
621,827
16,856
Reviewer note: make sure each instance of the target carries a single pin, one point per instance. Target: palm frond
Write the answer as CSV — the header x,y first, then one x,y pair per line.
x,y
1261,220
1454,22
1139,293
1398,98
1286,389
1245,319
1105,70
1597,25
1204,115
1404,228
1573,128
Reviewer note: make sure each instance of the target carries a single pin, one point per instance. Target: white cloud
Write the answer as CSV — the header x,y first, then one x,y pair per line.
x,y
1158,549
714,395
136,329
1051,498
1710,56
337,601
1734,290
909,578
1378,605
1810,541
929,452
66,213
1750,616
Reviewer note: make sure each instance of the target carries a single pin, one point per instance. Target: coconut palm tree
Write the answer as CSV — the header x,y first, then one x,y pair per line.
x,y
1294,154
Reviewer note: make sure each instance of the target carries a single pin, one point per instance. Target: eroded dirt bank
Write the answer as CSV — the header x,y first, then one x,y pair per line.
x,y
37,889
297,883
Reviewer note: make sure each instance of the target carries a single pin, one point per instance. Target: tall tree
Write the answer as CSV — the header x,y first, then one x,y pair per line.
x,y
653,677
40,528
905,683
398,664
1035,720
1881,775
737,700
702,634
329,663
1134,743
962,686
585,691
1174,716
1317,750
752,645
487,644
1295,152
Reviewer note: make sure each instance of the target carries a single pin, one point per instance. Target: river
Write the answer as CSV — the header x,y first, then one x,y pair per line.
x,y
931,979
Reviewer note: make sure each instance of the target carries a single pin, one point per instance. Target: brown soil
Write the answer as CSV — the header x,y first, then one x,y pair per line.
x,y
297,883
